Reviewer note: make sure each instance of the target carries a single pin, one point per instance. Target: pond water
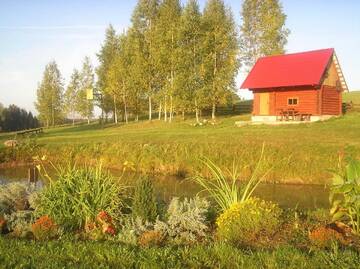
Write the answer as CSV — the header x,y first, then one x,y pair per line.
x,y
301,196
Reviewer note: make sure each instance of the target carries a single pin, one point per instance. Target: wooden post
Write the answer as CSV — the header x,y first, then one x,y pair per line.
x,y
33,175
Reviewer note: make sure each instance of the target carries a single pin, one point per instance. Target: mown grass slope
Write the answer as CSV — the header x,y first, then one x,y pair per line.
x,y
301,153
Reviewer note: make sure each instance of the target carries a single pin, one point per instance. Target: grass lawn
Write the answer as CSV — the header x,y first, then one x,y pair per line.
x,y
75,254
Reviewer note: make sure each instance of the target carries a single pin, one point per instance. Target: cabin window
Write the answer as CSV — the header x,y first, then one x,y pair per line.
x,y
293,101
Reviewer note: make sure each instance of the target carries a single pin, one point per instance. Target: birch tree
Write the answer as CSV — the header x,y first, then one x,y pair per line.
x,y
189,80
263,30
106,57
71,95
143,30
49,103
84,106
220,47
167,44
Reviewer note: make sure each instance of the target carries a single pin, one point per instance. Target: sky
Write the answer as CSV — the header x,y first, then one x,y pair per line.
x,y
32,33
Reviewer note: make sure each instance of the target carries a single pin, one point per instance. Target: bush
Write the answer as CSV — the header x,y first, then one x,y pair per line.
x,y
144,204
324,237
44,228
186,221
151,239
251,222
13,197
78,195
346,185
132,229
19,223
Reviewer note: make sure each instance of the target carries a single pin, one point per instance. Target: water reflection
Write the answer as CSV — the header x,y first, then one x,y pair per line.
x,y
301,196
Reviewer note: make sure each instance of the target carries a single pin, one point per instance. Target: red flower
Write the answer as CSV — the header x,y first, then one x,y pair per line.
x,y
110,230
103,216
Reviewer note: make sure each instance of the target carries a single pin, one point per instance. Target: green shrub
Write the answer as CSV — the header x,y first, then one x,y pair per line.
x,y
132,229
347,185
251,222
19,223
78,195
144,203
14,196
186,221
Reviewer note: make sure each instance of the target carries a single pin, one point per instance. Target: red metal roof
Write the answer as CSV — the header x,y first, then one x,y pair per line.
x,y
297,69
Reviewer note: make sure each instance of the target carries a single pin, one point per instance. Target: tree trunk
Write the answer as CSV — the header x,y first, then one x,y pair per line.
x,y
171,108
197,112
150,109
183,115
160,108
137,117
115,111
125,109
88,120
165,109
213,116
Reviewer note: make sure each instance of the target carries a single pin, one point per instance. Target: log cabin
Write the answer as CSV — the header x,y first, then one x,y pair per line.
x,y
304,86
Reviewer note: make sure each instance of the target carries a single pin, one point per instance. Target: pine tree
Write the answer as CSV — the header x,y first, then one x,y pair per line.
x,y
106,57
167,46
263,30
189,82
143,35
50,95
84,106
220,50
71,95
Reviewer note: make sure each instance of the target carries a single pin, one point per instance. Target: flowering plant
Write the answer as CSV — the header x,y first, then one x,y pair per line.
x,y
44,228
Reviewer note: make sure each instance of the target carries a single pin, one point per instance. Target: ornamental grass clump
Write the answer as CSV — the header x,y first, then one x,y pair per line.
x,y
249,223
225,188
144,203
78,195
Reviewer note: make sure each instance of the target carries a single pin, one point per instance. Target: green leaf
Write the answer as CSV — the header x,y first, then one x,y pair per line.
x,y
338,216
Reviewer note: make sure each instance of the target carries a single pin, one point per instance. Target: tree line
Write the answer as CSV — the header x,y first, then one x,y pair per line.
x,y
172,60
13,118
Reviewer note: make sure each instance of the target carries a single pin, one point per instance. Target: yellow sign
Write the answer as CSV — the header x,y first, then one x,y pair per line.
x,y
90,94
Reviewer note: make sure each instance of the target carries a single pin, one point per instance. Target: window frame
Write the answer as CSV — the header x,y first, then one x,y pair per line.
x,y
292,100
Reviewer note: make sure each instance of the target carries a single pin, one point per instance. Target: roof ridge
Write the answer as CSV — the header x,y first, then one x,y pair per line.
x,y
294,53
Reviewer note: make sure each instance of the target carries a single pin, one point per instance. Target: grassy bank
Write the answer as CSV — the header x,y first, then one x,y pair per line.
x,y
71,254
300,153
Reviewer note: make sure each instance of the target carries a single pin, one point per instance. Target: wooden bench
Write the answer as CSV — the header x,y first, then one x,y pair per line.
x,y
30,131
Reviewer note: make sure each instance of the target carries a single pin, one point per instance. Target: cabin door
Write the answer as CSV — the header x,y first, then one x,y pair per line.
x,y
264,103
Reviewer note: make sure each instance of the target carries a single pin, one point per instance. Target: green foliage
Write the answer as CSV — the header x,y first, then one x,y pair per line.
x,y
186,222
227,193
144,203
89,254
263,30
347,186
249,223
78,195
132,229
71,95
13,118
220,48
50,96
19,223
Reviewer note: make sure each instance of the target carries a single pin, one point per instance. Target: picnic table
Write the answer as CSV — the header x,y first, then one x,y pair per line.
x,y
293,115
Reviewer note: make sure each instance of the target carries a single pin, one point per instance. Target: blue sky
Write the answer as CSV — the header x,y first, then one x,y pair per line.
x,y
32,33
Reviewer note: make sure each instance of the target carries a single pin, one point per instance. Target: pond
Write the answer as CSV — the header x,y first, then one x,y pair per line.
x,y
301,196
